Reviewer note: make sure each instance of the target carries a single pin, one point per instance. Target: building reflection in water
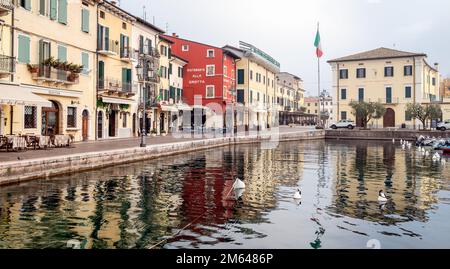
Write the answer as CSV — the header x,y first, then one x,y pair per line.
x,y
370,167
139,205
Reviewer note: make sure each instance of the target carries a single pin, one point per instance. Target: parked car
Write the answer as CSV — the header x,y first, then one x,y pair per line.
x,y
444,126
348,124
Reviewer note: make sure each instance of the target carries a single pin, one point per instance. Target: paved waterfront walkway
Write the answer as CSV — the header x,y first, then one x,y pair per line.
x,y
105,145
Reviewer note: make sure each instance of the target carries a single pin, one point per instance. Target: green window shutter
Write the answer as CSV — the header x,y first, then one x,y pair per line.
x,y
62,11
122,45
62,53
85,62
85,20
42,7
124,75
170,69
99,36
101,70
128,75
24,49
53,10
27,4
106,46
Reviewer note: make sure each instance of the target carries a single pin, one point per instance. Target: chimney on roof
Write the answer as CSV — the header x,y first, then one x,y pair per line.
x,y
114,2
175,35
436,66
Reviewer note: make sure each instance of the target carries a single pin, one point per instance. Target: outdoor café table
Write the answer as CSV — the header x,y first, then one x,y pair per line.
x,y
61,141
17,142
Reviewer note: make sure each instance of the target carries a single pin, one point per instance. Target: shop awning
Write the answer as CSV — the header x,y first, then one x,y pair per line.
x,y
119,101
184,107
16,95
170,108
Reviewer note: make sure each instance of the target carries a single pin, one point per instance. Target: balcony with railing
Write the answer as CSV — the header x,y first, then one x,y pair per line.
x,y
149,51
6,6
115,86
128,54
108,47
7,66
48,74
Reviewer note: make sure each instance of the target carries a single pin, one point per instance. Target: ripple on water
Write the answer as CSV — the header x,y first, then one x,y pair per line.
x,y
141,204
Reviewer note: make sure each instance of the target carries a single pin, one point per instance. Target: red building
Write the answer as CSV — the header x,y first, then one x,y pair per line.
x,y
210,72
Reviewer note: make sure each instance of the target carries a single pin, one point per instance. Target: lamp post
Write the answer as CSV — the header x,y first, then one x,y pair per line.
x,y
139,71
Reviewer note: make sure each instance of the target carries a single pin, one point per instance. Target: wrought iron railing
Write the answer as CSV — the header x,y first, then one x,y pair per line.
x,y
115,85
52,74
109,45
7,64
6,5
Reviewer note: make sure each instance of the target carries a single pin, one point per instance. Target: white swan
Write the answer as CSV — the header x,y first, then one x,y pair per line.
x,y
238,184
298,195
436,157
382,197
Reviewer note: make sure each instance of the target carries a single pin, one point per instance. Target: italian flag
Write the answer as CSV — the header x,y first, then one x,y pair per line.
x,y
318,44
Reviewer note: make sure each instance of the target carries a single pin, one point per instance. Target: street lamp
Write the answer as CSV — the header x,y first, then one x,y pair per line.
x,y
139,71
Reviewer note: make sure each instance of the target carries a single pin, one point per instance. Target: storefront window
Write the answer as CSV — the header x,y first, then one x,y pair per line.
x,y
30,117
71,117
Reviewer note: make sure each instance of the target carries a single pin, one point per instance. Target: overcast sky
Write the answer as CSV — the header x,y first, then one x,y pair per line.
x,y
285,29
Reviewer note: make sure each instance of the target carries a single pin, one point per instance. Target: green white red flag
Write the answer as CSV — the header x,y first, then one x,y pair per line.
x,y
318,44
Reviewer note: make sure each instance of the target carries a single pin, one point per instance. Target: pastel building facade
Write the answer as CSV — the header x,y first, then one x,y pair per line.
x,y
50,98
7,67
116,89
145,39
392,77
209,82
256,86
290,92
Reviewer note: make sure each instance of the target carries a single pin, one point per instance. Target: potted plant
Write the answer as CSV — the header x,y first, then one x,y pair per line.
x,y
72,77
51,62
153,132
33,68
163,133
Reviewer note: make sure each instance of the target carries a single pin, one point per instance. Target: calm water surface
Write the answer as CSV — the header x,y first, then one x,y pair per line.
x,y
188,202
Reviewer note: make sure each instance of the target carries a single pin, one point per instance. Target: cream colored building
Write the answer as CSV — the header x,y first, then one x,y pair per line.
x,y
50,99
392,77
290,92
145,41
318,106
162,109
257,91
179,107
116,89
7,67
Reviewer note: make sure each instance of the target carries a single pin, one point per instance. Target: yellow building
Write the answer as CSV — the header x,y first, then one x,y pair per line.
x,y
115,86
54,45
391,77
7,65
290,92
257,90
445,88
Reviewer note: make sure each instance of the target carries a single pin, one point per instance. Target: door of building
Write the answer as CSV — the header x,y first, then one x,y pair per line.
x,y
100,125
389,118
112,123
85,125
50,120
